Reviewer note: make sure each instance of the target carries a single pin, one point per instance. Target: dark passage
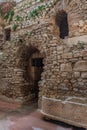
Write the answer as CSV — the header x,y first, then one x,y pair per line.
x,y
7,34
37,63
62,22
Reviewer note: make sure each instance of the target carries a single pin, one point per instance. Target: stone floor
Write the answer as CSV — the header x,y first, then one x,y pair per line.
x,y
27,118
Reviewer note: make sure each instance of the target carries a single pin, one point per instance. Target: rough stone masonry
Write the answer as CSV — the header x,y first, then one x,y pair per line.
x,y
65,60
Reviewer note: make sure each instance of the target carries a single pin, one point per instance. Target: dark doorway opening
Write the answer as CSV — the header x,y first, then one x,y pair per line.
x,y
37,63
35,68
62,22
7,34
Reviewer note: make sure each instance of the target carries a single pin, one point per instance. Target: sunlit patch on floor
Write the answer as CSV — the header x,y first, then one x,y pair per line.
x,y
5,124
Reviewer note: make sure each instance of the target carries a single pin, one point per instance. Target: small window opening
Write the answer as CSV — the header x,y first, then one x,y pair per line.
x,y
62,22
7,34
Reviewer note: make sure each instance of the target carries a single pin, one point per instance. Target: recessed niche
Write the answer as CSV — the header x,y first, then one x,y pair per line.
x,y
62,23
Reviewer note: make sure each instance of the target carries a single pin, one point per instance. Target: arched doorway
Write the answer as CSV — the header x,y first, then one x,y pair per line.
x,y
30,61
34,70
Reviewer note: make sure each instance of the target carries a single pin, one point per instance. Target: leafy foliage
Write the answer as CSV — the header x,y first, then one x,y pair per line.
x,y
18,18
15,27
9,16
36,12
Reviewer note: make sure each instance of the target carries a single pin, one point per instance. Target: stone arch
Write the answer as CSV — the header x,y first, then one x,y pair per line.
x,y
28,58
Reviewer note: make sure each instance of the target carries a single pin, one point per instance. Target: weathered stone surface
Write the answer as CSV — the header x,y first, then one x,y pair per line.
x,y
84,74
81,66
66,109
59,49
76,74
84,53
66,67
64,60
67,55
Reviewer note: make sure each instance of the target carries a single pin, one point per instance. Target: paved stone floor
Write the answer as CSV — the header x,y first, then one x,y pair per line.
x,y
27,118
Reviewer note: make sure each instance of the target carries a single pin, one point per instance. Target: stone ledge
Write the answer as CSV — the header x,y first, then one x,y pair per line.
x,y
71,110
74,40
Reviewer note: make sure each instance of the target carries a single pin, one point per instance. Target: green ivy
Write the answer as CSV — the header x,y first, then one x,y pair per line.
x,y
15,27
37,11
9,16
33,14
18,18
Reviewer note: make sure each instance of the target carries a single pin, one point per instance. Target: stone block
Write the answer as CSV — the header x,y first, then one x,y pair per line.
x,y
67,55
71,110
84,75
81,66
76,74
66,67
1,55
59,49
84,53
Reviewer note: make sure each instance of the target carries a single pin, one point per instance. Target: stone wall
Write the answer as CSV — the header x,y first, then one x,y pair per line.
x,y
15,60
68,76
76,11
65,66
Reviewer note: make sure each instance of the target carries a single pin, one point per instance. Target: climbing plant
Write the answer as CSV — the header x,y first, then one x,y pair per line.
x,y
36,12
15,27
33,14
9,16
6,14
